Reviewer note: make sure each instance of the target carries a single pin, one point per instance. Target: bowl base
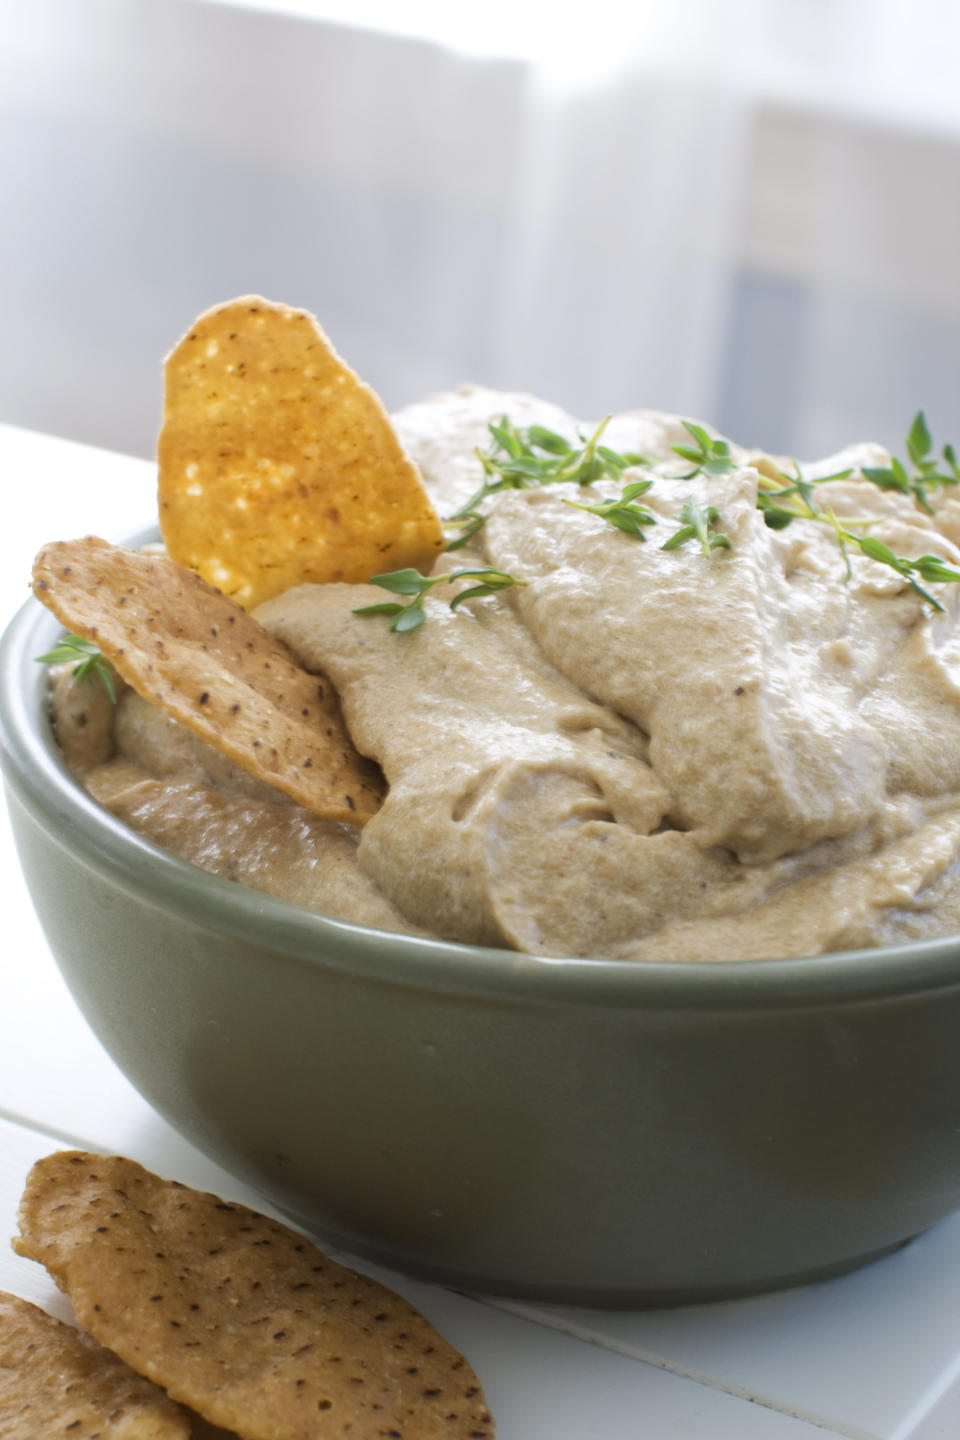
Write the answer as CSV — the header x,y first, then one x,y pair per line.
x,y
622,1297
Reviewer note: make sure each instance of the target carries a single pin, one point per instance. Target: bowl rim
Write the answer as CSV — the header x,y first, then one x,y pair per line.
x,y
35,772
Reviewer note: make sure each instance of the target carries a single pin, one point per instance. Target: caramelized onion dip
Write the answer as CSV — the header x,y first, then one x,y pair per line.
x,y
635,753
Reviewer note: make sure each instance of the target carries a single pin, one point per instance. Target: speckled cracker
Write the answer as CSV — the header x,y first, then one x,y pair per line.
x,y
205,661
239,1317
278,465
56,1381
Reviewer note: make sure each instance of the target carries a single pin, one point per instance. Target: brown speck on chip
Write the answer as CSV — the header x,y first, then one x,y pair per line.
x,y
238,1361
314,479
340,784
54,1380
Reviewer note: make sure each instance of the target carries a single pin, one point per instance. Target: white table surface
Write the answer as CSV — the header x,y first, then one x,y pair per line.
x,y
871,1356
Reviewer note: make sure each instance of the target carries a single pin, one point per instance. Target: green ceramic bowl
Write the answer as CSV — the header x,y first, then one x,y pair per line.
x,y
586,1131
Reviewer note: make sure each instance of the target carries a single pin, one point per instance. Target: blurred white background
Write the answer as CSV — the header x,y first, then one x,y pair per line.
x,y
744,210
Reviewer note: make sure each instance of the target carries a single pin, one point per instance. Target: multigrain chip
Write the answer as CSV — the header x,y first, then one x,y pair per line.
x,y
239,1317
278,465
205,661
56,1381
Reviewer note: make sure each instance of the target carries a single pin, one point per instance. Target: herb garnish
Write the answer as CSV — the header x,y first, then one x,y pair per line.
x,y
708,456
928,472
622,512
521,458
699,525
410,582
560,462
90,661
929,567
468,522
794,500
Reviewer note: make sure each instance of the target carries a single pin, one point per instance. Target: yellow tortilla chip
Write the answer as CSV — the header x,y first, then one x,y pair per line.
x,y
239,1317
278,465
205,661
56,1381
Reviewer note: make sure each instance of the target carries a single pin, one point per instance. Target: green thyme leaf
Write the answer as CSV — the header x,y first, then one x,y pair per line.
x,y
90,662
919,443
707,456
584,465
895,477
930,473
519,459
698,525
775,517
931,567
928,567
405,617
468,524
621,512
878,551
539,438
385,608
412,582
403,582
509,438
841,535
793,501
411,617
492,581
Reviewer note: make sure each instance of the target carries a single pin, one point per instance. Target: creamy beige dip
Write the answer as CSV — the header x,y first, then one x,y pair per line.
x,y
639,754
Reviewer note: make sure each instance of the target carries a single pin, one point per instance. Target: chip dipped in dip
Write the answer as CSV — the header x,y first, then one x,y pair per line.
x,y
710,709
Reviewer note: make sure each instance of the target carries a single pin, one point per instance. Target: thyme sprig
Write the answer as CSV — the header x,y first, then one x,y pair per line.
x,y
929,471
622,512
514,456
468,522
698,524
706,455
928,567
519,459
90,662
795,500
411,582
